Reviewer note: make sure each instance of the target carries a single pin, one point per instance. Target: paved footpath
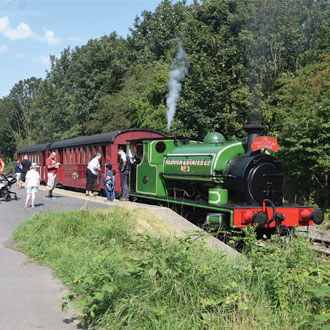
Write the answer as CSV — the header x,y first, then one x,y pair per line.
x,y
30,297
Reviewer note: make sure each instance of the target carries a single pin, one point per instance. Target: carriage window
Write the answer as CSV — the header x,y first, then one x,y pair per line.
x,y
96,150
99,149
104,154
80,150
85,155
91,154
74,156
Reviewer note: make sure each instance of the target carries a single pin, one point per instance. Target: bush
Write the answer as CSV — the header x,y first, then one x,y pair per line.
x,y
121,279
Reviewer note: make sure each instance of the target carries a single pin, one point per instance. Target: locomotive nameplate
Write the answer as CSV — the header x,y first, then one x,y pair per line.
x,y
265,142
190,165
187,162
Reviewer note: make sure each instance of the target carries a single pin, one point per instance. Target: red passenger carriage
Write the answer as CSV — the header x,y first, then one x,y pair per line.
x,y
74,155
36,154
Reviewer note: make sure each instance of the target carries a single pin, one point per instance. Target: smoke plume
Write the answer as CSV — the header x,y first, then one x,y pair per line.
x,y
178,70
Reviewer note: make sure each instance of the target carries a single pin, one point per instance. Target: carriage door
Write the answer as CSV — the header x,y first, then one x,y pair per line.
x,y
136,154
60,171
43,166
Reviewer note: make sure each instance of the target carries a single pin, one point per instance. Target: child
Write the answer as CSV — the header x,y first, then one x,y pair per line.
x,y
32,181
109,183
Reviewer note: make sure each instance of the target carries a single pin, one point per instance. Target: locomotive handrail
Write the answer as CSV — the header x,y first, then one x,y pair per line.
x,y
181,155
198,175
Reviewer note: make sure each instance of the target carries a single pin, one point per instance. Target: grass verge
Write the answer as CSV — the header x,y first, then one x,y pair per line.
x,y
122,278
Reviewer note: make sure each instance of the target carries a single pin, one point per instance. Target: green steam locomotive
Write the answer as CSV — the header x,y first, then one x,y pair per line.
x,y
231,183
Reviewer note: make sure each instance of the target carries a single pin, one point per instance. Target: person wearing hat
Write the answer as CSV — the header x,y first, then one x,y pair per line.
x,y
32,182
92,171
52,167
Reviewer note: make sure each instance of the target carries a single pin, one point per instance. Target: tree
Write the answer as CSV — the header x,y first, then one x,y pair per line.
x,y
76,83
279,36
155,34
299,114
18,111
214,95
140,103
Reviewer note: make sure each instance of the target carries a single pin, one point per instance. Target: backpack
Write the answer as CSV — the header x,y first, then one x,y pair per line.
x,y
128,162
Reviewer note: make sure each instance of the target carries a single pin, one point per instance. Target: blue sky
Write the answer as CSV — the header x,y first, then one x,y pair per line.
x,y
32,30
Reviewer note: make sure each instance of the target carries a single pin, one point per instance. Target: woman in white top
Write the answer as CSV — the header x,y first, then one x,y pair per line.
x,y
32,181
92,171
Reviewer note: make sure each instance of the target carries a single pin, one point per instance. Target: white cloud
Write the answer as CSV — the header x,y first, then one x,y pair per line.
x,y
45,60
50,38
3,49
23,31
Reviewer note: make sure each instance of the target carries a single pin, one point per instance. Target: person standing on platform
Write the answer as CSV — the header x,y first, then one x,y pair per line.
x,y
52,167
109,182
124,171
32,185
25,167
92,171
17,166
2,165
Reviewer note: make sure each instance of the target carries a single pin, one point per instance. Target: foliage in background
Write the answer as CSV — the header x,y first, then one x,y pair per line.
x,y
213,94
140,103
299,115
237,51
121,279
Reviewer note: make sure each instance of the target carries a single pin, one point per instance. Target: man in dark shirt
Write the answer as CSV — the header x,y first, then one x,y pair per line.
x,y
17,167
25,167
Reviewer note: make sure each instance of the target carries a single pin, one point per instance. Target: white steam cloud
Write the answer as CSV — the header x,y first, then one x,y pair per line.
x,y
178,70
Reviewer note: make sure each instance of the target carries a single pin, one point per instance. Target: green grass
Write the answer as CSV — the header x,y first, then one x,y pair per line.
x,y
120,278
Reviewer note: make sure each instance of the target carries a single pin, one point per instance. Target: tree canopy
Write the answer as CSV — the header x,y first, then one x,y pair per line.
x,y
249,60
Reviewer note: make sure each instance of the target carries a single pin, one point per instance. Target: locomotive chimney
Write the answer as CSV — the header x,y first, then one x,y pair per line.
x,y
253,131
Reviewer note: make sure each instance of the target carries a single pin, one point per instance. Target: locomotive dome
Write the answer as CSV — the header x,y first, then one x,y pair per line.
x,y
214,138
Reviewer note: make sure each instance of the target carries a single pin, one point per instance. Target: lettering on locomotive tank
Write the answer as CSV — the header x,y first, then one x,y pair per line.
x,y
185,169
187,162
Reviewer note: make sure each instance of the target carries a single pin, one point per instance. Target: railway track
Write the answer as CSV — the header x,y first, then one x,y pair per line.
x,y
320,239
